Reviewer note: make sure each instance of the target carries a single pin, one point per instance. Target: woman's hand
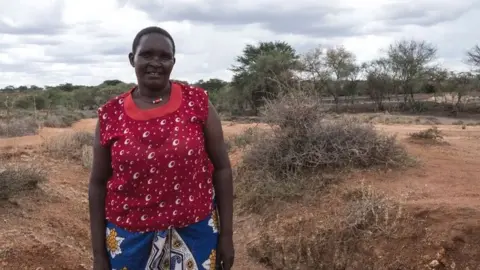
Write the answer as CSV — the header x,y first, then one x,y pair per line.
x,y
101,262
225,251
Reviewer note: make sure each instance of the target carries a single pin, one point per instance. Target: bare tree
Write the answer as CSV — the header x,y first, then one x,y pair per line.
x,y
460,84
473,56
409,61
437,78
379,81
343,71
333,72
315,70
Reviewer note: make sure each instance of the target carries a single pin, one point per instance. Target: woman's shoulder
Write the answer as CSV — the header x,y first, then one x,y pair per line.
x,y
194,93
114,102
191,90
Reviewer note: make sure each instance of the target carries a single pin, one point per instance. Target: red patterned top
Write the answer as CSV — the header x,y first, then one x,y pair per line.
x,y
162,175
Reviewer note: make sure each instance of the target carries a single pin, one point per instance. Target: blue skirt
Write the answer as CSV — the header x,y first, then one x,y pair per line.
x,y
190,248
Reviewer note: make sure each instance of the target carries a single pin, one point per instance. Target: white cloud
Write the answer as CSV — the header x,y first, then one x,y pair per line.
x,y
70,41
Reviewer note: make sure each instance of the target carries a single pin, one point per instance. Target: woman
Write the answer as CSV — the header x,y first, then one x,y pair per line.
x,y
160,171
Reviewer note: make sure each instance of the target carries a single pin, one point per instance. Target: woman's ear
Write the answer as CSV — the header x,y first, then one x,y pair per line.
x,y
131,58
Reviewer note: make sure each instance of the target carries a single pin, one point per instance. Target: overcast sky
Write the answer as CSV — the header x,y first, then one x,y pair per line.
x,y
87,41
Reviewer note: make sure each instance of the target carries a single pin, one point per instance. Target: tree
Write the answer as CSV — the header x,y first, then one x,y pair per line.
x,y
473,56
315,70
212,85
436,81
343,71
112,82
409,61
379,81
262,71
460,84
333,72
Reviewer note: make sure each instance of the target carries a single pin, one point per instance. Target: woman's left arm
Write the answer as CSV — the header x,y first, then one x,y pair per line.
x,y
222,175
222,181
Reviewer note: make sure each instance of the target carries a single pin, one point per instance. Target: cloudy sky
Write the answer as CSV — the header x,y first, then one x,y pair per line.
x,y
87,41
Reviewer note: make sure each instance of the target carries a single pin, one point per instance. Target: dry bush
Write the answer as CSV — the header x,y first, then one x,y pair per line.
x,y
24,122
303,138
54,121
15,179
459,122
20,126
69,145
432,134
334,239
246,138
87,156
325,144
304,151
64,118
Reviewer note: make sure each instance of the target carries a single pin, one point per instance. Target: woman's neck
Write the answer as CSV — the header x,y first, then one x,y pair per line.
x,y
154,92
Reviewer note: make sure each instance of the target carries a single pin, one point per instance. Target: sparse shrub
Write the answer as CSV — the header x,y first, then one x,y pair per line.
x,y
87,156
228,145
368,212
69,145
15,179
304,151
63,118
432,134
333,238
20,126
54,121
245,138
68,118
459,122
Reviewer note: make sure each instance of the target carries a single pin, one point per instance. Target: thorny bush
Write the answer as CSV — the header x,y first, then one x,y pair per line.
x,y
303,145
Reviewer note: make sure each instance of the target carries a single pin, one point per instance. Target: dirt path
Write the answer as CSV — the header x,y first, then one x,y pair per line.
x,y
448,175
49,229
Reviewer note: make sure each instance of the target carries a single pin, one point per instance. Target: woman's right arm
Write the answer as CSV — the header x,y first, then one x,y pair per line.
x,y
101,172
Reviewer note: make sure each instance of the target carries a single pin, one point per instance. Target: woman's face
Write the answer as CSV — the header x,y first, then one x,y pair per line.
x,y
153,60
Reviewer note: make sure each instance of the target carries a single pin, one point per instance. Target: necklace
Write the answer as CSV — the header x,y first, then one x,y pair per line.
x,y
155,101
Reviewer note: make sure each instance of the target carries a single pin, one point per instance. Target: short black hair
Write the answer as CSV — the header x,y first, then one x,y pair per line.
x,y
150,30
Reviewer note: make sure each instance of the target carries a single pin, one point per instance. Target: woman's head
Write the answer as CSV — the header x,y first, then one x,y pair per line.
x,y
153,57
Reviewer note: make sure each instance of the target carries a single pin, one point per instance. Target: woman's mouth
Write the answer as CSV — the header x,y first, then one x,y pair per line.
x,y
153,74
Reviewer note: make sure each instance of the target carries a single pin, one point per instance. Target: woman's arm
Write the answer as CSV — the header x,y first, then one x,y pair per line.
x,y
222,176
101,172
223,184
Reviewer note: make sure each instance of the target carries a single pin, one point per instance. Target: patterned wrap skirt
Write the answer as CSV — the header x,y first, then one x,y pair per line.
x,y
189,248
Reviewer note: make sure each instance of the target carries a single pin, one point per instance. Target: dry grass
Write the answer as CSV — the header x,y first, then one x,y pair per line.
x,y
330,239
431,135
87,156
22,122
20,126
70,145
246,138
63,118
388,119
15,179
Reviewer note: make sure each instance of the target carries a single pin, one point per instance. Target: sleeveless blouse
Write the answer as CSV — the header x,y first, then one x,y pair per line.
x,y
162,175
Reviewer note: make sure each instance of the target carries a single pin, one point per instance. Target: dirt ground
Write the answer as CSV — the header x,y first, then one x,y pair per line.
x,y
49,229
